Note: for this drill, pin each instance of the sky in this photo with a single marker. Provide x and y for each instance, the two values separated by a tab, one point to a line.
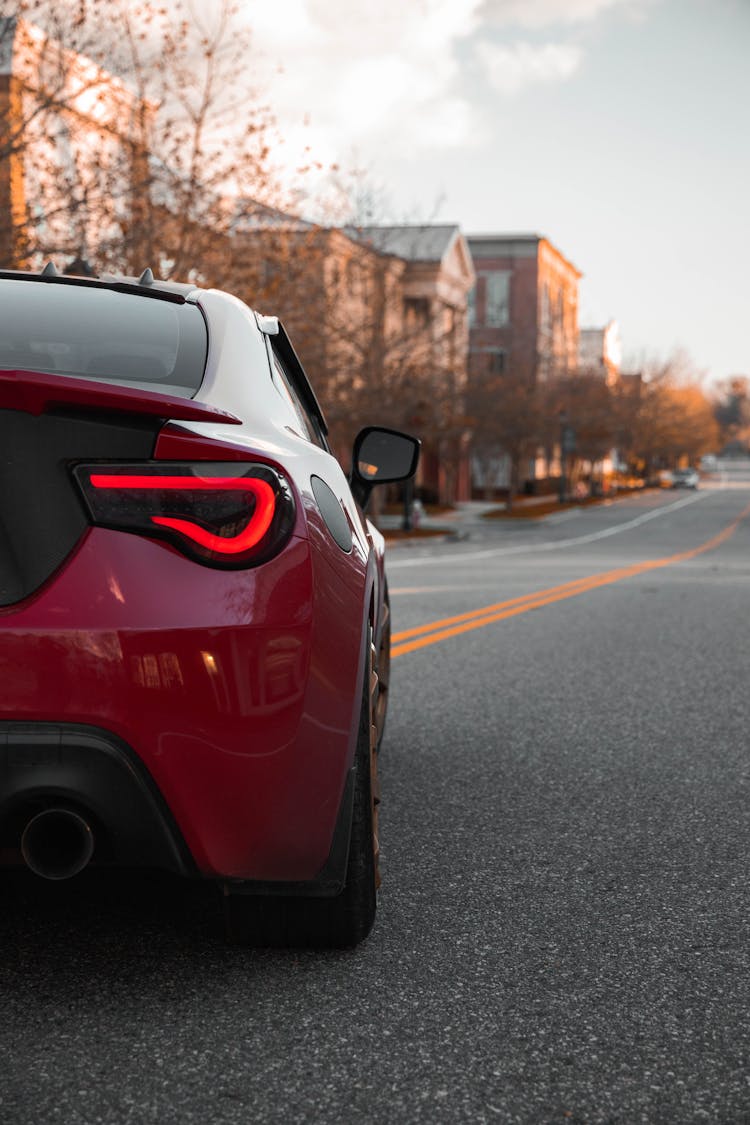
618	129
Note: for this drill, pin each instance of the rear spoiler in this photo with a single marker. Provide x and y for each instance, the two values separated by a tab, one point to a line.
34	392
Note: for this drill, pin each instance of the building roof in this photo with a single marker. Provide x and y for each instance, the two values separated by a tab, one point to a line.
521	236
522	245
414	242
252	215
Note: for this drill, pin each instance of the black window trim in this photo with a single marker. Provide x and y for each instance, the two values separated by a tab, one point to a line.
281	344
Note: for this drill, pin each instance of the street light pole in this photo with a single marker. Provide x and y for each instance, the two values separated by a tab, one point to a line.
563	453
407	521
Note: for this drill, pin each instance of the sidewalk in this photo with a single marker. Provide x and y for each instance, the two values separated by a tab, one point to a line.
455	523
459	521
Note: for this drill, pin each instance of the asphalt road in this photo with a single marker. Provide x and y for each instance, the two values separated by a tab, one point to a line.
563	924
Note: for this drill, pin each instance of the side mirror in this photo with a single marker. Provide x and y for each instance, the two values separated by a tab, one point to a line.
380	456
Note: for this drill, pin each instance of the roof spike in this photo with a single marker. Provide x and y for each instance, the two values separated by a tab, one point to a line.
147	277
49	270
269	325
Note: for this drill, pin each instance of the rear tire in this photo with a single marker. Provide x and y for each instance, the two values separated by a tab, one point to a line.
287	922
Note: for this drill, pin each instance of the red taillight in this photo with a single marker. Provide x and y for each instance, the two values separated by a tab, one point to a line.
226	515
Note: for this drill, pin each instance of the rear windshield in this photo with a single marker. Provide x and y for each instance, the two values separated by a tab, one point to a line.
93	333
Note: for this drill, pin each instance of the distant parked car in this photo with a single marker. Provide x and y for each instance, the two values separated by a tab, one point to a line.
685	478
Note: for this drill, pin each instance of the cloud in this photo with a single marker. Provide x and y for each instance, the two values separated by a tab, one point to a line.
358	72
396	79
509	69
549	13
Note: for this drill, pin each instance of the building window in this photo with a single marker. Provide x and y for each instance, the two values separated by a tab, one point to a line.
490	361
471	306
416	312
497	299
497	359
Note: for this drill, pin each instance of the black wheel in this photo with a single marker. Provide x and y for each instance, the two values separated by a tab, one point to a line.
276	921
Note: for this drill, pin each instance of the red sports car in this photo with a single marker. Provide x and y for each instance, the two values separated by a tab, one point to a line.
194	629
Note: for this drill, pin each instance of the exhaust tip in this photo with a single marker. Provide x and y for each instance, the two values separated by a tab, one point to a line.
57	844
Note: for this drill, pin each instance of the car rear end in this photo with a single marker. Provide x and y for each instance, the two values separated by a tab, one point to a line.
157	610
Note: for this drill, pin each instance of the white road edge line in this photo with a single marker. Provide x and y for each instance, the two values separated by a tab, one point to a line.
550	545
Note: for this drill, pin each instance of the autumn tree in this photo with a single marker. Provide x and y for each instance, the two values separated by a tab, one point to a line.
137	163
674	421
732	413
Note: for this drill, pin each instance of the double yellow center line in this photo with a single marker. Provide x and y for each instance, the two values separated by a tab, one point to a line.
412	639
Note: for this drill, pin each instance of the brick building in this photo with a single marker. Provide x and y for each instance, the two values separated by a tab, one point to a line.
524	325
524	309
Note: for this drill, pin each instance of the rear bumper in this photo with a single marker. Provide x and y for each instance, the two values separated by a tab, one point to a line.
90	771
234	738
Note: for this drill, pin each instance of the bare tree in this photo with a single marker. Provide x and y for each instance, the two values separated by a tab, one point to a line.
506	415
207	134
512	409
138	163
590	409
50	175
376	354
